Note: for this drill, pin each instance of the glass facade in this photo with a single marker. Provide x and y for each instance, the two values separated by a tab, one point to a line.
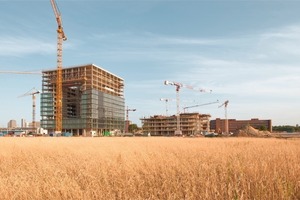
92	101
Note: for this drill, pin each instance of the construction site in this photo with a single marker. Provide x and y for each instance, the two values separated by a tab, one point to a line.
87	100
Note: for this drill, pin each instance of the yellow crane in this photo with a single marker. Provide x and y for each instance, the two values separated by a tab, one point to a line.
32	92
60	38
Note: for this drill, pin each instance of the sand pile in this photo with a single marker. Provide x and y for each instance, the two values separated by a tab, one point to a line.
249	131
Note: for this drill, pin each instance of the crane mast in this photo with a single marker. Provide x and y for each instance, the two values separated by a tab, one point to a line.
33	92
127	118
60	38
225	104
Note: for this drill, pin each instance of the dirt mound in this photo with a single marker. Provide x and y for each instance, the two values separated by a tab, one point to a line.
249	131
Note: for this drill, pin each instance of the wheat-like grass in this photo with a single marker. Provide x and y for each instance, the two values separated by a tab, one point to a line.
149	168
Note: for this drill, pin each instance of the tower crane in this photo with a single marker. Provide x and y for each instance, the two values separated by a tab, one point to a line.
166	100
127	118
32	92
225	104
178	87
187	107
60	38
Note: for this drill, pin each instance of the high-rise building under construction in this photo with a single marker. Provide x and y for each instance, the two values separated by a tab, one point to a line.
92	103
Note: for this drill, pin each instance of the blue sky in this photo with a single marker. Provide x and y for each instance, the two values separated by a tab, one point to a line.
247	52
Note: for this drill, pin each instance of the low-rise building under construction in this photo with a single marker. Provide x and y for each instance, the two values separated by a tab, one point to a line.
190	124
92	103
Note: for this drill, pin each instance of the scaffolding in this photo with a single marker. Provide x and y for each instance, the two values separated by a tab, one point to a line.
92	103
190	124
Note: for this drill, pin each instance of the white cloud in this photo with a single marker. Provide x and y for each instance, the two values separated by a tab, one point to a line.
281	44
287	32
150	39
19	46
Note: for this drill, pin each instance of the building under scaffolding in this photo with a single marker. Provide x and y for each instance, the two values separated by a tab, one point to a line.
93	101
190	124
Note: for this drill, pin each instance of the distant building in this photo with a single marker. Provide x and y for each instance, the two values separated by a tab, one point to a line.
190	124
234	125
12	124
37	125
23	123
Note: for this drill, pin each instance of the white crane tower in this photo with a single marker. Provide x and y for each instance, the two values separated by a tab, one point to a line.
178	87
225	104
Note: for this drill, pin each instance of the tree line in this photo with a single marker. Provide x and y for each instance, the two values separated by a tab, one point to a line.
286	128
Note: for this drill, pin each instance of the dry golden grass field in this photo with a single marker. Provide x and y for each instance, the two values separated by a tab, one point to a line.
149	168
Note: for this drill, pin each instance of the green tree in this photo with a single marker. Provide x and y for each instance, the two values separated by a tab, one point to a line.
132	128
286	128
262	128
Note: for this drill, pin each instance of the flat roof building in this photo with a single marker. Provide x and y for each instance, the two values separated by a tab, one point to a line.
234	125
12	124
92	103
190	124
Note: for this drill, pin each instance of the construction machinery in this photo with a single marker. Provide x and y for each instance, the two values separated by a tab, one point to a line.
33	92
127	117
166	100
187	107
178	87
225	104
60	38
